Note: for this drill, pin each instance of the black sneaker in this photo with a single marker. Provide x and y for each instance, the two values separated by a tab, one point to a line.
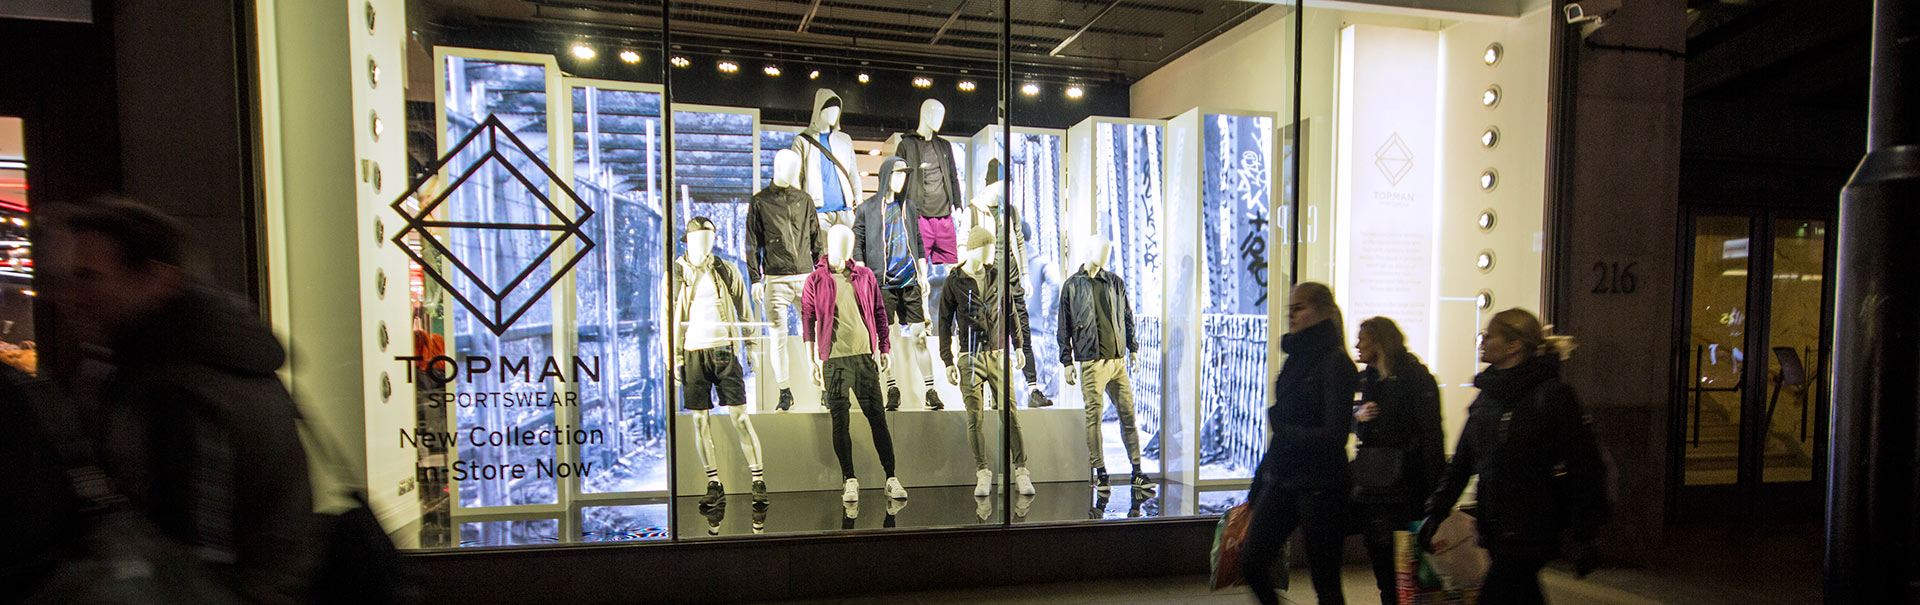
1141	482
760	493
933	400
893	398
714	516
1038	400
1100	481
715	494
786	400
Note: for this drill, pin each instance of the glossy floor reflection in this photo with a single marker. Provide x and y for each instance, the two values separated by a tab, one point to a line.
941	507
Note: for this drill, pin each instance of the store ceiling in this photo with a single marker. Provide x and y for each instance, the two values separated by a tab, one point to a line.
1106	39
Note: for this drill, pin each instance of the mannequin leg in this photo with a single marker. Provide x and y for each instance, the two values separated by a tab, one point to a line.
782	291
970	383
1090	379
836	402
703	436
866	386
749	439
1120	388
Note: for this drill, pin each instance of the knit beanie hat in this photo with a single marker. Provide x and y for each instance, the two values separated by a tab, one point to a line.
979	237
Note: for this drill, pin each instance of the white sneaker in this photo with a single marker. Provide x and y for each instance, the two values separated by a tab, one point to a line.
983	484
852	492
1023	481
894	490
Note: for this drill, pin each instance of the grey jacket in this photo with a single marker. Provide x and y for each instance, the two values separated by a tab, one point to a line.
733	304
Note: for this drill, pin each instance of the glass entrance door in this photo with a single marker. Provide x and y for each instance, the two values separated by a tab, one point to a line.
1753	398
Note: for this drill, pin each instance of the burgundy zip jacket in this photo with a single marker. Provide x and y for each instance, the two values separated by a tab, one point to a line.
817	298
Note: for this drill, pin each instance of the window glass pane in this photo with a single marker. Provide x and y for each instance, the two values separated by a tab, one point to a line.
1794	374
17	343
1717	354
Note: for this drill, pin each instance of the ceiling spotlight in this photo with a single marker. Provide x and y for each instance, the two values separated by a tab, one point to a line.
875	151
771	70
1493	53
1030	89
1074	92
966	85
1490	138
864	79
1484	261
1489	180
678	61
922	82
583	51
729	66
1491	97
629	56
813	75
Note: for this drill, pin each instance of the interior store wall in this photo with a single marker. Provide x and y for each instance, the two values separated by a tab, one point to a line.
1247	68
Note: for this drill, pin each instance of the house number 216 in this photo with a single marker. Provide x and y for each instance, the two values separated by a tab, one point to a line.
1611	278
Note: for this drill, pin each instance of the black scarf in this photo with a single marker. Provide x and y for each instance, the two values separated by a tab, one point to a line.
1304	350
1517	383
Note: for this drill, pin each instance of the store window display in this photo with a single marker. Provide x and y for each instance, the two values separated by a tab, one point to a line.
935	183
827	162
972	305
1098	343
888	240
846	321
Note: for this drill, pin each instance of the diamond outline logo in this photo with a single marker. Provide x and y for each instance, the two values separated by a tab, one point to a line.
568	228
1393	159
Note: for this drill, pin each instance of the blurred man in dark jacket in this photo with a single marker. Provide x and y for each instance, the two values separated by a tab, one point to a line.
194	426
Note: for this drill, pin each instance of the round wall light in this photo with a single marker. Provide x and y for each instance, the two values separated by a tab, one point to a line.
1489	179
1490	98
1484	261
1490	138
1494	51
372	17
1487	220
375	126
1484	300
373	72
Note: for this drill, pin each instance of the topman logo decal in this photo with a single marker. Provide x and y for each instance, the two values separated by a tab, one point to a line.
493	309
1393	159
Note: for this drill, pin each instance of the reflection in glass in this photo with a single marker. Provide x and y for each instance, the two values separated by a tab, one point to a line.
1717	353
510	533
1794	335
623	523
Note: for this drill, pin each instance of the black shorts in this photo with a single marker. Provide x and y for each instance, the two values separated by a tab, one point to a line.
904	305
713	374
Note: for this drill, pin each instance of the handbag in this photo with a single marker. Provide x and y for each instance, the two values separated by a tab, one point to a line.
123	557
1377	473
1229	545
360	564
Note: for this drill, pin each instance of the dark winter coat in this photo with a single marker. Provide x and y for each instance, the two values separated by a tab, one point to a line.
913	150
1409	421
200	433
783	233
1311	413
970	306
1091	307
1539	466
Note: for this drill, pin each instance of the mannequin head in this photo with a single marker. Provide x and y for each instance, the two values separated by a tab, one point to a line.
699	238
933	115
786	168
839	245
980	248
897	181
1098	248
826	111
893	174
831	116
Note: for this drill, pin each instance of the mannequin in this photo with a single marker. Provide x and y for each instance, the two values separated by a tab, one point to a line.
934	183
887	241
983	211
972	298
784	239
1096	330
829	174
708	316
843	317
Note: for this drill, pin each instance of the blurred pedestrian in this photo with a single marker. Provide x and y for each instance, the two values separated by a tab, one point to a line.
1303	480
1540	469
195	427
1401	445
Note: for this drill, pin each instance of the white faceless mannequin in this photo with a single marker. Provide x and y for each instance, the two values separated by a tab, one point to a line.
933	115
786	168
1098	248
897	181
699	246
831	116
977	258
839	245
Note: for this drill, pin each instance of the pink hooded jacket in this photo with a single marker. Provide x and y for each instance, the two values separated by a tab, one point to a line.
817	298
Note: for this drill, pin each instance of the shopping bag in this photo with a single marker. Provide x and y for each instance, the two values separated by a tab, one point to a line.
1228	538
1451	576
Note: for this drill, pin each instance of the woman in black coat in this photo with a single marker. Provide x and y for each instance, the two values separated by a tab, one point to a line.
1401	444
1303	478
1532	446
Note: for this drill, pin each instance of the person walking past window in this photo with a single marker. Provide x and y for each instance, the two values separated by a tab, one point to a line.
1303	480
1533	448
1401	444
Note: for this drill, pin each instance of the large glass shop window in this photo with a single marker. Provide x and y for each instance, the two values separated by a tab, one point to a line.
673	285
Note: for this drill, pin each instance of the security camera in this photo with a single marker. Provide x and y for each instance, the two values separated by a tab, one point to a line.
1588	11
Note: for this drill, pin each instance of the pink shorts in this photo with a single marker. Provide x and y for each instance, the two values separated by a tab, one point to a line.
938	237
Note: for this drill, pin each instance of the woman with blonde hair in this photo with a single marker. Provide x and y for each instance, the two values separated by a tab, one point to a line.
1531	444
1401	445
1303	479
